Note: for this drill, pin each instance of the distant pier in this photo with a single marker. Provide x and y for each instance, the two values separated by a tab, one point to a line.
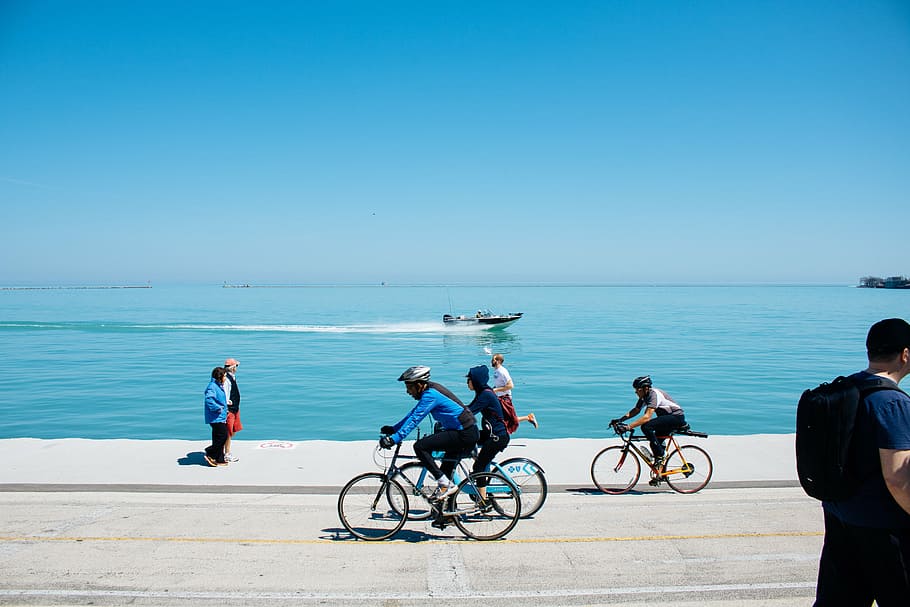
892	282
79	288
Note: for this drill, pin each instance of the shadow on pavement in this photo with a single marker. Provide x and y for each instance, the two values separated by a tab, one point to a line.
594	491
340	534
196	458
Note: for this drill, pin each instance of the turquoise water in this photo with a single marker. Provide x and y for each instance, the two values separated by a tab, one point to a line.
321	362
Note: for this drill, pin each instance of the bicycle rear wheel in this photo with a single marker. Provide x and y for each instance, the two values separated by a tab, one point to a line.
689	469
364	506
487	519
615	470
419	484
531	483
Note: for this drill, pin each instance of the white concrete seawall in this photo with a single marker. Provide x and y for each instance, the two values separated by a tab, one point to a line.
766	459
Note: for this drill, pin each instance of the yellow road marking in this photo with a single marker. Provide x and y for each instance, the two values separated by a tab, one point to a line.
550	540
658	538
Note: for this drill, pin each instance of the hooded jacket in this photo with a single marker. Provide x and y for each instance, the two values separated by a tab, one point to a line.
485	400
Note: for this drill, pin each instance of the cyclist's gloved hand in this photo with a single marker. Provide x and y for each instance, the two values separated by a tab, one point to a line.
622	428
613	422
387	430
386	442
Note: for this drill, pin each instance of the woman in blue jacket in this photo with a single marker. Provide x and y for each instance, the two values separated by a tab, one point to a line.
216	416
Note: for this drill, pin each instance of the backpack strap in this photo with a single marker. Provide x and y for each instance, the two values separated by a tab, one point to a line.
466	418
874	384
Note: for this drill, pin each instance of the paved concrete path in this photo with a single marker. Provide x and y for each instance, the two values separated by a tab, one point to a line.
147	523
735	546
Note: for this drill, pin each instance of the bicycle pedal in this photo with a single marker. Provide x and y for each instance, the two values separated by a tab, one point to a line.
483	506
654	482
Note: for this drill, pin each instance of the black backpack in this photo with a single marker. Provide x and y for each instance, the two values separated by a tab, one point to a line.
825	418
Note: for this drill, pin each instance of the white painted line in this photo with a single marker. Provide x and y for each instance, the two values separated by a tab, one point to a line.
234	597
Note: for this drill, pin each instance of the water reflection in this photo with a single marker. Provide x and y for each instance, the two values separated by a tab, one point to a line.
488	341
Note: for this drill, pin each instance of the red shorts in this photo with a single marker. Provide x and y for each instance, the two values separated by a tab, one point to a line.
233	423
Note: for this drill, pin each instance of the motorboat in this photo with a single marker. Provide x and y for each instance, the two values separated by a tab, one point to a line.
483	317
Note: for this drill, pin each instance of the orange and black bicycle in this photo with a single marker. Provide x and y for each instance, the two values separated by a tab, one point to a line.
687	469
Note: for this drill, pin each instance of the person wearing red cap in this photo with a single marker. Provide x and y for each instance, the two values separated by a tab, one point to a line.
866	552
233	408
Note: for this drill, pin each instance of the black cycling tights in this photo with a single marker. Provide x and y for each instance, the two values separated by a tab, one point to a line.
453	442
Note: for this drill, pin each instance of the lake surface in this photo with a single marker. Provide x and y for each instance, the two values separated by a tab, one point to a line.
322	362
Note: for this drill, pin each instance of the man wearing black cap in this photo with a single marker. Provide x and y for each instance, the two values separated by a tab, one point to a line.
866	554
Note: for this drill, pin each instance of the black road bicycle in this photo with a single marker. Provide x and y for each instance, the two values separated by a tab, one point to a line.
687	469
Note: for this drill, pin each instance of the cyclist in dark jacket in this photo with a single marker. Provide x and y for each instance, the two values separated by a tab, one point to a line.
494	437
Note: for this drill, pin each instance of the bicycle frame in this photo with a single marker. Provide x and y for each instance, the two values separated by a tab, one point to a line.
470	488
687	468
656	472
364	514
456	478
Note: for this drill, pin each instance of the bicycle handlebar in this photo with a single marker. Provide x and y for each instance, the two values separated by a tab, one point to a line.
614	425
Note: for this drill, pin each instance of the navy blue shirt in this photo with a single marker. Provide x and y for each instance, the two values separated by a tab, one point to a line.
883	422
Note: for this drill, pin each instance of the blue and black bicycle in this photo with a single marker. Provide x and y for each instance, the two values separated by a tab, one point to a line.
376	505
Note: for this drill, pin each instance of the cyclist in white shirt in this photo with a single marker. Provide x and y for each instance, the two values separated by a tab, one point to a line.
662	414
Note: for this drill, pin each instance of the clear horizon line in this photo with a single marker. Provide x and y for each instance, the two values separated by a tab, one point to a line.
517	284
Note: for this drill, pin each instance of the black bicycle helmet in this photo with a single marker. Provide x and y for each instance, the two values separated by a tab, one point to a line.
642	382
418	373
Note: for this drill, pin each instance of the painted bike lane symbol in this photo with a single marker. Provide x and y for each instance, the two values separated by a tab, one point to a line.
276	444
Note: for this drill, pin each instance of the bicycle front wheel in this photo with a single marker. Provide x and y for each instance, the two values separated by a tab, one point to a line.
419	484
688	469
615	470
531	483
485	519
365	506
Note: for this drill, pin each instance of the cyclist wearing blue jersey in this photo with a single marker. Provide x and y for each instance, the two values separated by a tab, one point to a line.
459	430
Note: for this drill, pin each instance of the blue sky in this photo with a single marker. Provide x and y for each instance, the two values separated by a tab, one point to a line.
447	142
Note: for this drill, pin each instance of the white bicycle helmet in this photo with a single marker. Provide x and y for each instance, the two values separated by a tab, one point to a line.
418	373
